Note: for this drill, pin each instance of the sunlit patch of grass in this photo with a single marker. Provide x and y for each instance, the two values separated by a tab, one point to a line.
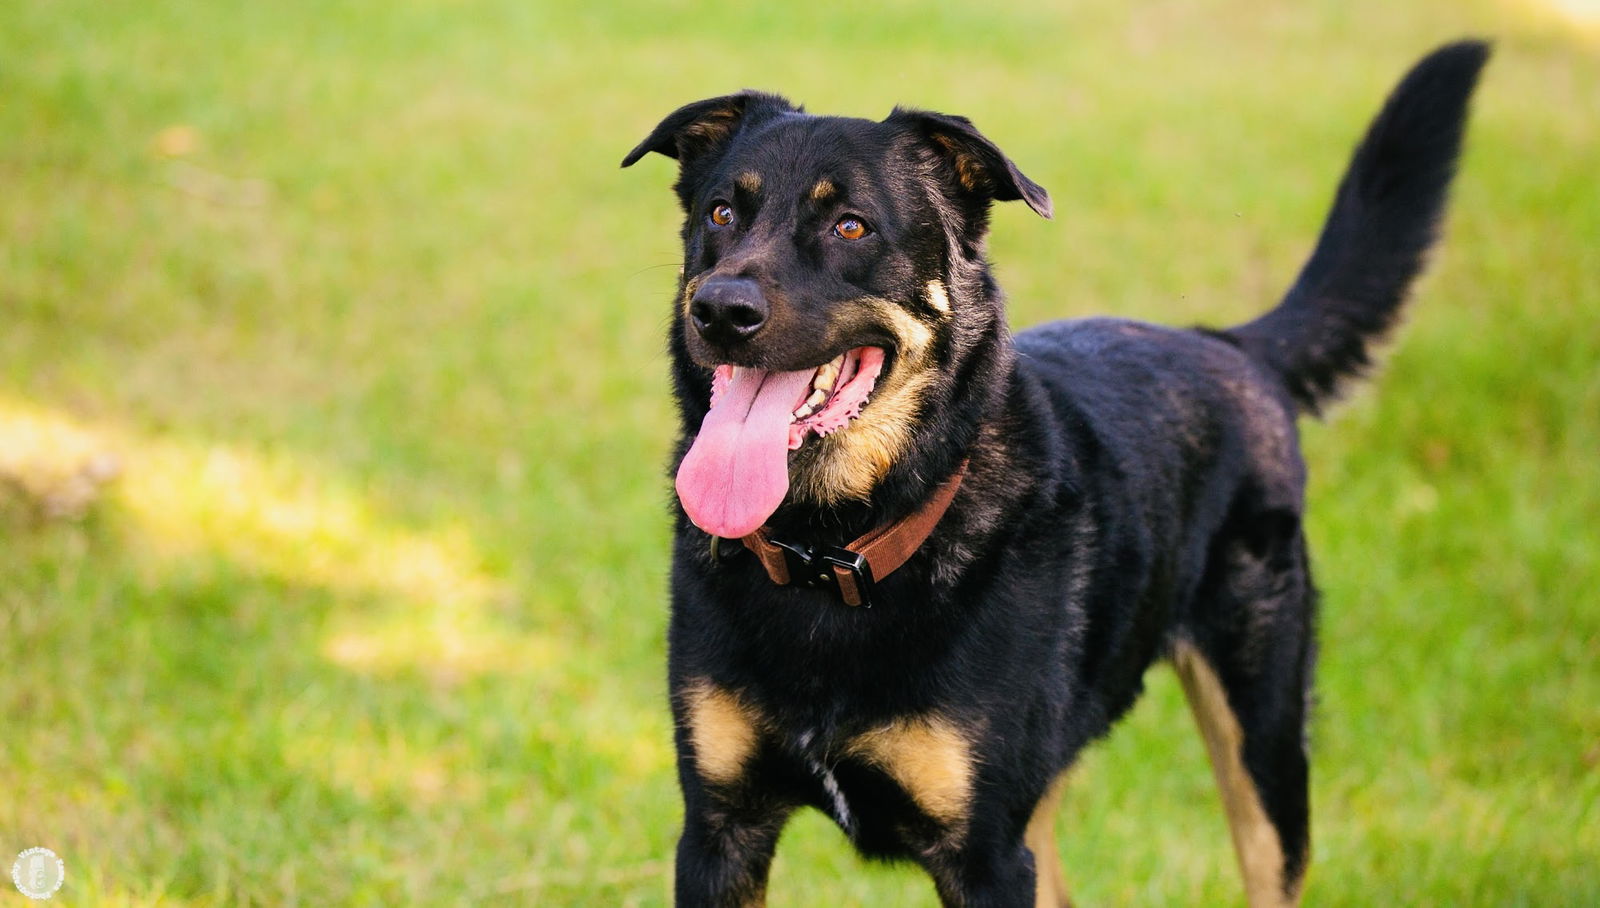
1584	15
50	467
443	643
271	515
374	766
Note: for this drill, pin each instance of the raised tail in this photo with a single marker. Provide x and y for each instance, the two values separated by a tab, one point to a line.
1385	217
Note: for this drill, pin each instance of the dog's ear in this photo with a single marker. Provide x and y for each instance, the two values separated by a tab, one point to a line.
704	126
977	167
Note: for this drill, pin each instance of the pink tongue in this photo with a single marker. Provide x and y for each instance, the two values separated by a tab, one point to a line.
737	472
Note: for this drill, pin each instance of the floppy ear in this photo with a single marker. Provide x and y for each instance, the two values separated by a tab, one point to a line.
694	129
977	164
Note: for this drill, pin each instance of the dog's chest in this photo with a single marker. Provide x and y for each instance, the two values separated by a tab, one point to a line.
891	784
900	785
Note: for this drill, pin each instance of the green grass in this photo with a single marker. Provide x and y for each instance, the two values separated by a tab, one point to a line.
356	297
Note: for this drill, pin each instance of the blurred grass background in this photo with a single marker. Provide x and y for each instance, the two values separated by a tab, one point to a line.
333	423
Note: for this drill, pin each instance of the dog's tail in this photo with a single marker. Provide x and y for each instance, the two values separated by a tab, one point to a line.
1385	216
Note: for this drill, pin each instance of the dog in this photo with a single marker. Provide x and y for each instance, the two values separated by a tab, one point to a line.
919	563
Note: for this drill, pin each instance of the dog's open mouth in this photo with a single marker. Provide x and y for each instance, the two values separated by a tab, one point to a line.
833	396
737	471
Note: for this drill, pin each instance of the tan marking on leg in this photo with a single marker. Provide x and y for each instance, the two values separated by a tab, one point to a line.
723	729
749	181
1050	887
938	298
1255	840
823	189
928	757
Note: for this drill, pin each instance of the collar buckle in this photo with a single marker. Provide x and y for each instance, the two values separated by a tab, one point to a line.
826	567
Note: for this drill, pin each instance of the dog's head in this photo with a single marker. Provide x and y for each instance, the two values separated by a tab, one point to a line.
833	282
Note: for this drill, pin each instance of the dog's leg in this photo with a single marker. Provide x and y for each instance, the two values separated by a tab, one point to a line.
1246	669
985	874
1245	663
724	857
1256	839
1050	887
730	827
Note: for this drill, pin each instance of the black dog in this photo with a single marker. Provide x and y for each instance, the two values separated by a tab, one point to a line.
1035	522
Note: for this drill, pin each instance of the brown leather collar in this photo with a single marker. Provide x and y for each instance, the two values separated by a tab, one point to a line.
853	569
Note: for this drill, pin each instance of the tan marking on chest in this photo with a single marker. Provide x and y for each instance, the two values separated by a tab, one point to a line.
929	757
723	729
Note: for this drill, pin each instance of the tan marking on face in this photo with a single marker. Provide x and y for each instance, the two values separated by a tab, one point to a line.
749	181
689	287
913	334
1049	886
823	189
851	461
927	756
938	298
1255	840
723	729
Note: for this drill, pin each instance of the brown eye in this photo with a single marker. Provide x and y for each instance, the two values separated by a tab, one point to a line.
721	214
850	228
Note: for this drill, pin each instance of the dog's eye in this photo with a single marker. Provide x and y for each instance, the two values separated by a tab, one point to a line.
721	214
850	228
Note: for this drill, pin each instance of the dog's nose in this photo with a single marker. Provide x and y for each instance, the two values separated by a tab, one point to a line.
725	310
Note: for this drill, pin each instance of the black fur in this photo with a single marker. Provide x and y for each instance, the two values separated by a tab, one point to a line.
1129	486
1384	219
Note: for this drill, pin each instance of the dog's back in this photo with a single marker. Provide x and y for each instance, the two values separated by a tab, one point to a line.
1200	423
1197	428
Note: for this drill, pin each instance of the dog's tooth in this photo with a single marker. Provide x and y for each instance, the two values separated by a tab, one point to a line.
817	398
826	376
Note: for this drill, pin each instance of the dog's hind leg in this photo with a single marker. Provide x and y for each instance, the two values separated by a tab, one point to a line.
1050	887
1245	668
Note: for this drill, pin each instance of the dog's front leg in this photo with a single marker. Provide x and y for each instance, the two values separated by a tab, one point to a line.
991	873
731	821
724	854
